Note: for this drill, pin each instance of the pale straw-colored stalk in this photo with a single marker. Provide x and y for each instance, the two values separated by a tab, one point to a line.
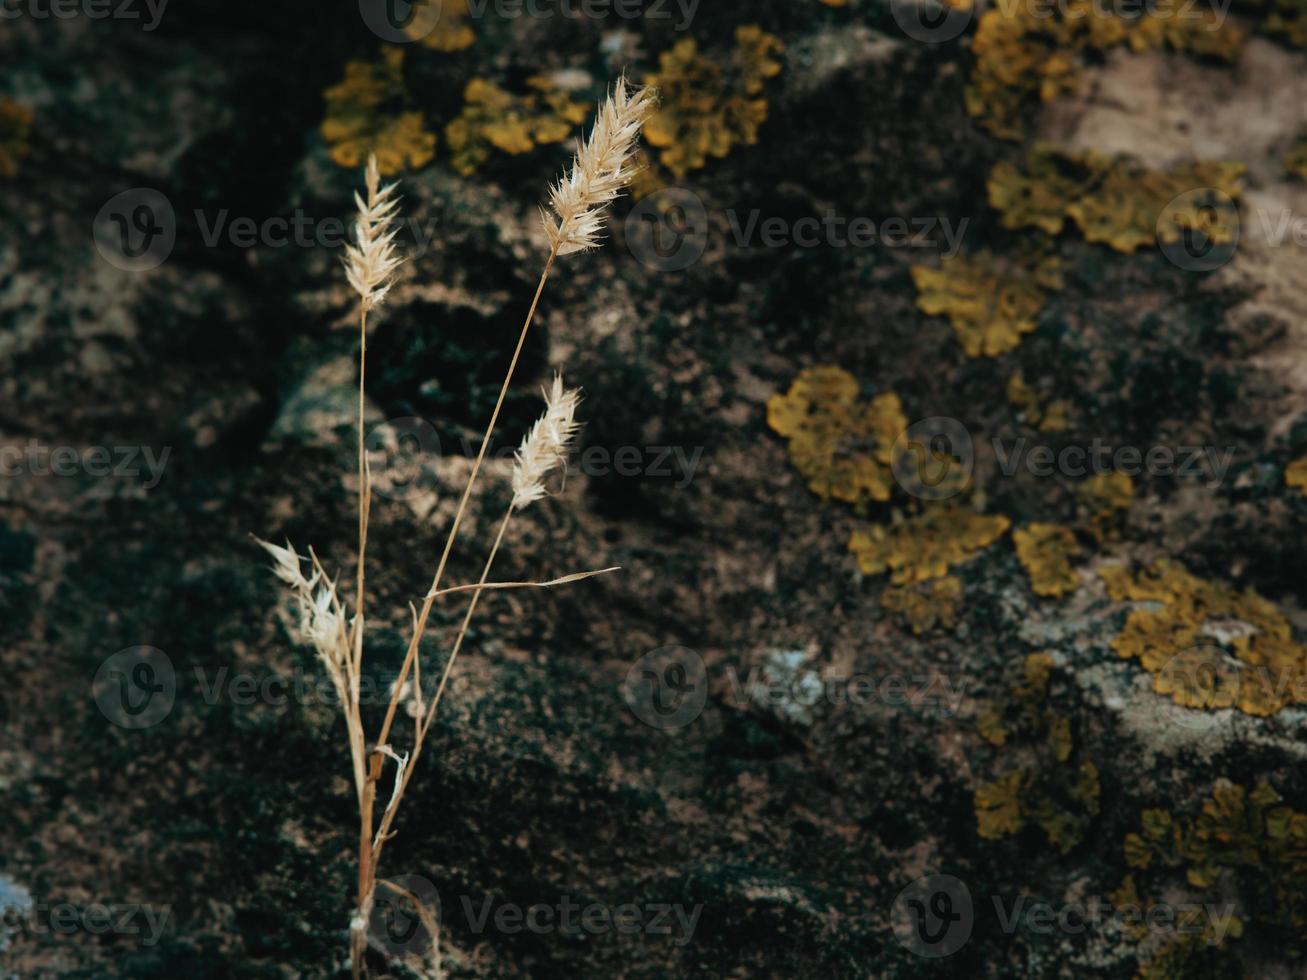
599	172
543	450
579	201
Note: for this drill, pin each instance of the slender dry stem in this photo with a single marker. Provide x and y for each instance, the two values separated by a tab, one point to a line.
601	169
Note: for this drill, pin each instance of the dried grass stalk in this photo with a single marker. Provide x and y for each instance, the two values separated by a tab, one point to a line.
602	168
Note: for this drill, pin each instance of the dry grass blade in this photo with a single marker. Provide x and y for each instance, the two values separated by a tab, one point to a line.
496	586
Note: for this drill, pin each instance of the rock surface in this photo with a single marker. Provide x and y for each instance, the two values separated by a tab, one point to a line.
775	827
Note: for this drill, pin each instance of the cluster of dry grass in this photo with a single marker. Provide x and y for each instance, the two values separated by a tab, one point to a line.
574	222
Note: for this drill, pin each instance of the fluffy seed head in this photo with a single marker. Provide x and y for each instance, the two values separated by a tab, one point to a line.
601	170
546	445
286	564
321	618
370	263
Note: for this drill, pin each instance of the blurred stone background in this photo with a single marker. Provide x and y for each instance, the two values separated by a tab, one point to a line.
900	760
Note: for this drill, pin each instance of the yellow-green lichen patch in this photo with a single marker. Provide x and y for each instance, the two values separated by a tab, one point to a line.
1045	552
707	107
990	302
1026	52
1295	161
1046	414
926	606
366	115
495	119
1023	708
1295	475
998	806
15	129
926	545
1207	645
843	446
1286	20
450	30
1239	838
1105	499
1116	202
1049	790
